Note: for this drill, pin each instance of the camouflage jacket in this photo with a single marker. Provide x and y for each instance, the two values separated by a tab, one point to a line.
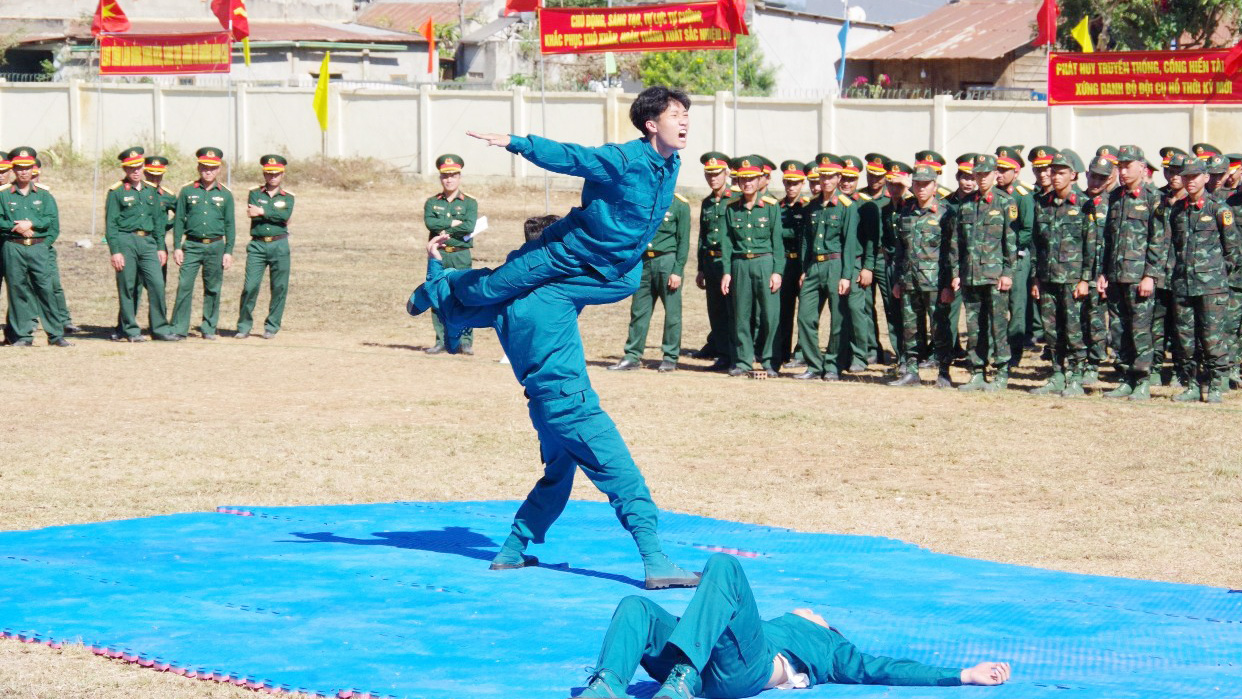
1234	202
712	232
923	253
985	242
1064	238
831	228
1205	246
1135	242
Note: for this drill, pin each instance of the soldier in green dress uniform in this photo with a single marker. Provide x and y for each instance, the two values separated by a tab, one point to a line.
454	212
1165	360
269	207
752	280
1009	164
965	187
204	233
664	267
28	219
710	270
793	210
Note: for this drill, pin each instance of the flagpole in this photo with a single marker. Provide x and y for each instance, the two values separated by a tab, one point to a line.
1048	93
98	137
736	89
231	105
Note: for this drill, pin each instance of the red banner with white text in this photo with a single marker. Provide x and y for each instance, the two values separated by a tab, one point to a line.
165	54
1136	77
695	25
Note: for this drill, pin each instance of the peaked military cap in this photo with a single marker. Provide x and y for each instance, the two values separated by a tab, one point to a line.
764	164
1193	166
747	166
274	163
1216	164
829	164
1235	160
811	169
38	166
1072	160
1167	153
793	170
1130	153
924	173
23	157
5	165
966	162
1178	161
211	157
131	157
983	163
1109	152
896	169
877	163
1101	165
851	166
449	163
714	161
1009	157
1041	156
930	158
1204	150
155	164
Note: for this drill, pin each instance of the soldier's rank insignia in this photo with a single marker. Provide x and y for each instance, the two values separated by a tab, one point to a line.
1226	217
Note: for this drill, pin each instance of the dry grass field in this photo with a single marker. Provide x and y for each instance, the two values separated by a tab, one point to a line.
344	407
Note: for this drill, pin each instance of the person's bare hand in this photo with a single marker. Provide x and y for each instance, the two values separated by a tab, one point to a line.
865	277
989	674
801	280
674	282
843	287
118	262
493	139
946	296
24	228
254	211
1035	291
1005	284
1080	290
700	280
774	283
162	255
227	261
897	289
725	282
434	245
179	256
1147	287
957	283
1102	285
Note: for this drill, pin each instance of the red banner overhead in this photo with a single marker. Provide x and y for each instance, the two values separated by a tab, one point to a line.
162	54
1129	77
636	28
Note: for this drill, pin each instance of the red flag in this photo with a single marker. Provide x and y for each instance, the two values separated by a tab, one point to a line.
521	6
428	30
109	18
1233	59
730	16
232	15
1046	24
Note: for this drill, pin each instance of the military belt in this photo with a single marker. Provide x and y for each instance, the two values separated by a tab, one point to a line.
206	241
447	248
713	253
653	253
753	255
270	238
791	255
828	256
141	233
25	241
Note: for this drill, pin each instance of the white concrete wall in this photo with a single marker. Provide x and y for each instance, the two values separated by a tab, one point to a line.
804	50
408	128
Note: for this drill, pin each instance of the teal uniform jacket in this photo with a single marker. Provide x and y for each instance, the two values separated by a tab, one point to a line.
628	188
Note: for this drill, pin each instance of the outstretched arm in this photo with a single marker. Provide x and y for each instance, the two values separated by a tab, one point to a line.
989	674
600	164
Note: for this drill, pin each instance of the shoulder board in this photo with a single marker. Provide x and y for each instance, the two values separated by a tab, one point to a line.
220	186
1021	189
735	188
151	184
165	190
863	196
844	201
40	185
466	196
679	196
806	199
943	190
288	193
116	185
188	184
769	199
257	186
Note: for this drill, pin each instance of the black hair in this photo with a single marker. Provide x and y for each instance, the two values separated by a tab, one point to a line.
651	103
535	224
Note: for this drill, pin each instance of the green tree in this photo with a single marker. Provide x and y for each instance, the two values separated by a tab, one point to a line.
1136	25
706	72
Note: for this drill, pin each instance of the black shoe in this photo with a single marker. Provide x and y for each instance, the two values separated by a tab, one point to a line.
136	338
437	348
942	381
719	365
667	366
27	342
242	336
773	374
808	374
738	371
268	334
794	364
831	376
907	379
857	367
209	336
626	364
171	337
71	328
705	353
62	342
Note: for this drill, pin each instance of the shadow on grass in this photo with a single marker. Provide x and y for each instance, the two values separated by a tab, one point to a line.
386	345
457	541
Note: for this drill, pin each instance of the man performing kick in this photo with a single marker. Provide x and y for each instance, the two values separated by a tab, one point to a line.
590	257
720	648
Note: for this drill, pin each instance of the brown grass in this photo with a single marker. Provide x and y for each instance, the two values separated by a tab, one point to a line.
342	408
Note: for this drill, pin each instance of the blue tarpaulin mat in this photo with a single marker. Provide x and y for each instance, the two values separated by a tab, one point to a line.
396	600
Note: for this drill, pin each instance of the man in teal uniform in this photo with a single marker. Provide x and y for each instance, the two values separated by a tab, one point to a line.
793	211
664	265
721	648
454	212
719	344
752	278
269	207
203	236
28	219
134	220
590	257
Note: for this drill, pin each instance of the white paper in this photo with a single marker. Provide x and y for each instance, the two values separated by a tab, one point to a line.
480	225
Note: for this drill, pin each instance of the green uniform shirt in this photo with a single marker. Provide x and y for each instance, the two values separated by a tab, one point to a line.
985	243
1024	225
37	205
889	216
673	235
923	252
439	214
1064	238
205	213
793	215
831	228
754	231
1205	246
277	208
128	209
870	228
1135	242
712	227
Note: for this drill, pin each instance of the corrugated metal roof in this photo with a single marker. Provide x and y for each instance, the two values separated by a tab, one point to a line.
261	30
409	16
983	29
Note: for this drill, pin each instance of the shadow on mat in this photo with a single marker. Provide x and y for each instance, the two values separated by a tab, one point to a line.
459	541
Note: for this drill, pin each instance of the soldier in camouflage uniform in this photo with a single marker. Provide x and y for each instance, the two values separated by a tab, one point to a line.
986	248
1135	245
923	268
1095	322
752	279
1217	169
1064	241
1206	251
793	210
1008	164
712	233
1233	314
1163	328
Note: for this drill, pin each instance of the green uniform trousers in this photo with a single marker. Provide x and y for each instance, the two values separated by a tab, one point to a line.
209	258
987	327
654	284
1165	350
29	271
1063	316
142	270
882	285
260	256
820	289
1233	327
1095	327
756	310
1019	300
1133	315
719	313
58	289
1202	348
786	349
917	303
461	259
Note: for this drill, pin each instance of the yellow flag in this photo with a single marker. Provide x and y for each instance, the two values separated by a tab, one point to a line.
246	50
1082	35
321	93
